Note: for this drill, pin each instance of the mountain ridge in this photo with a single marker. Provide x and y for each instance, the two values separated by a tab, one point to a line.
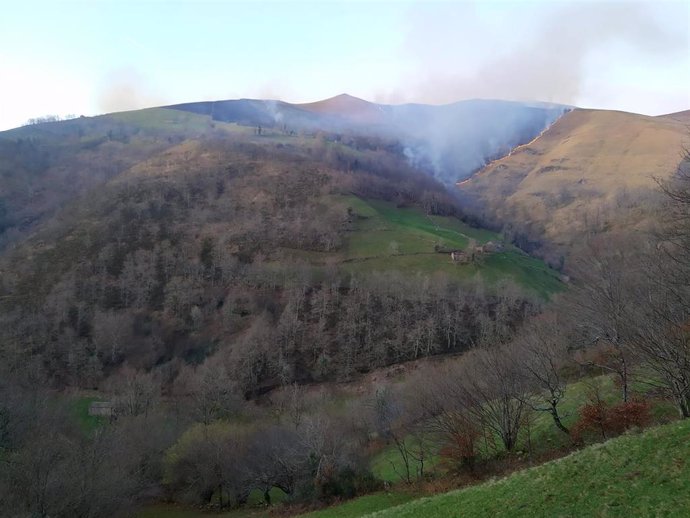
592	170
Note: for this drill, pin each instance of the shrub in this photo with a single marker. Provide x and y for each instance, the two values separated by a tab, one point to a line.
601	418
460	452
628	415
346	483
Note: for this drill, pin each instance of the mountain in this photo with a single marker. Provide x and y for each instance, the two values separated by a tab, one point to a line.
162	237
591	171
44	166
203	271
350	108
683	117
448	141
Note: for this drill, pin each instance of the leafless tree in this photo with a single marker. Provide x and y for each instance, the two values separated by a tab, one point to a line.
541	350
211	460
279	458
213	394
135	392
111	330
660	314
450	424
661	336
49	467
603	301
491	388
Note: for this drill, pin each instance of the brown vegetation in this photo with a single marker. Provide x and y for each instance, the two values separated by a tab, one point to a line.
171	291
591	172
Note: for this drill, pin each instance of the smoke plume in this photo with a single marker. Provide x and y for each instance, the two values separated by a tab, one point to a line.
550	57
127	89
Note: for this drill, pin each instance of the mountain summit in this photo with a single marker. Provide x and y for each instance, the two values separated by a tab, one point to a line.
349	107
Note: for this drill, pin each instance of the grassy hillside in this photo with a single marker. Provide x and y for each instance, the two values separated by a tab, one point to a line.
363	505
386	237
633	475
349	107
542	436
592	170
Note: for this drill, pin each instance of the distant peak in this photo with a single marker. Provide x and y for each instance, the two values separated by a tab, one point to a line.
346	97
345	105
341	101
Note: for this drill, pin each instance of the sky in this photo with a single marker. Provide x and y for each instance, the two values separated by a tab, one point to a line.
91	57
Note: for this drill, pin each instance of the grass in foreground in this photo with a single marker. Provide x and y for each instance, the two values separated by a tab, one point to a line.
254	509
633	475
176	511
362	505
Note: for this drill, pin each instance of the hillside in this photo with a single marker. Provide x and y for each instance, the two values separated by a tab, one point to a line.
210	240
591	171
214	286
350	108
641	475
45	166
449	141
683	117
385	237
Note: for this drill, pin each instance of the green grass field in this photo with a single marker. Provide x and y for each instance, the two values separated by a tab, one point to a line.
356	507
633	475
79	407
255	508
389	238
169	120
363	505
178	511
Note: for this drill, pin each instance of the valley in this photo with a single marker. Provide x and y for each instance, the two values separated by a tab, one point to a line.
286	306
344	259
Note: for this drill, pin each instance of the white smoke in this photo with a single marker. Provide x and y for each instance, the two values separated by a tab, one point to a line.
547	52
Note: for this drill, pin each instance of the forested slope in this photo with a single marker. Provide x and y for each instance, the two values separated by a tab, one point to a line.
286	257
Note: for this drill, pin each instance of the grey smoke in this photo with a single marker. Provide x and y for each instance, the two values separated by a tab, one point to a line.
453	141
274	109
550	57
127	89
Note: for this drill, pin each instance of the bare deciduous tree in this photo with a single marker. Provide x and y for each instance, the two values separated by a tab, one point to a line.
541	350
489	383
136	392
603	302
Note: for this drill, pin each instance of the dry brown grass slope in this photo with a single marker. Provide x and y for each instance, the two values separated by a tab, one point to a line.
593	170
682	117
348	107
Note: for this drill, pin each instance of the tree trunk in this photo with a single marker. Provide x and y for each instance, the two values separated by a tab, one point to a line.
624	379
557	421
508	442
683	407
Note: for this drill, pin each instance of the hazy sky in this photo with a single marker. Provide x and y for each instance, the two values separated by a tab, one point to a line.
97	56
